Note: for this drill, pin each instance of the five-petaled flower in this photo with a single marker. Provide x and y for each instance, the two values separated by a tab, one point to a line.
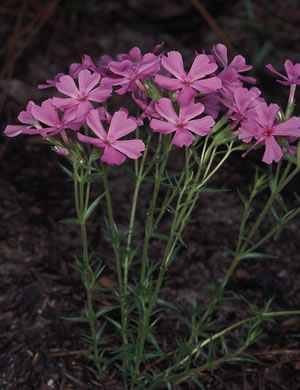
292	71
189	83
81	96
182	124
263	127
115	151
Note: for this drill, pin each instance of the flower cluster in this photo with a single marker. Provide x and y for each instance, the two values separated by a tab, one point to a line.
171	98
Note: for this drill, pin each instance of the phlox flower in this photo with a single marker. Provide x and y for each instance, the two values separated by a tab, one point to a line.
127	72
188	83
243	102
263	127
48	115
28	120
51	83
86	63
148	107
182	124
115	151
81	96
238	63
292	71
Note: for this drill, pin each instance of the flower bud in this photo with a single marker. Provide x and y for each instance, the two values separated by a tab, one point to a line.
152	89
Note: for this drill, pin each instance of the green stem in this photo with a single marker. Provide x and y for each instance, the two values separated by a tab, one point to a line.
82	198
116	248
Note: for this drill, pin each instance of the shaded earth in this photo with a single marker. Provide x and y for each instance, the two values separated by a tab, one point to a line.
39	350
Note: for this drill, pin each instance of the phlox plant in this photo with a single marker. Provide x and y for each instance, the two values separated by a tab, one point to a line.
203	113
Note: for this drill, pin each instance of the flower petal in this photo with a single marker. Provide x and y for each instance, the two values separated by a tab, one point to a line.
94	122
91	140
162	127
112	156
67	86
174	64
272	151
189	111
201	67
183	137
166	110
201	126
87	81
120	125
131	148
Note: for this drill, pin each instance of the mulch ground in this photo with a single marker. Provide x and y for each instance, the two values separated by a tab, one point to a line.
39	350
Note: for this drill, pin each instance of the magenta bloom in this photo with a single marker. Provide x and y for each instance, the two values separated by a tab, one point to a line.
181	124
86	63
292	71
127	72
55	125
243	102
115	151
263	128
51	83
238	63
28	120
81	97
189	82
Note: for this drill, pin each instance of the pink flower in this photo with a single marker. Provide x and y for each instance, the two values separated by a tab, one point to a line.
181	124
292	71
86	63
188	83
243	102
127	72
263	128
51	83
115	151
81	96
28	120
238	63
48	115
148	107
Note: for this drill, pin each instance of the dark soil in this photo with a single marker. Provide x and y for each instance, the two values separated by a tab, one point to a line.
39	350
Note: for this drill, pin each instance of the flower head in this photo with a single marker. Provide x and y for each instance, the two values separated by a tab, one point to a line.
132	68
115	151
292	71
182	124
28	120
188	83
81	96
263	127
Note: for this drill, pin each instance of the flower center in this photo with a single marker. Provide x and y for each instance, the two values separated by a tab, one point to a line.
267	132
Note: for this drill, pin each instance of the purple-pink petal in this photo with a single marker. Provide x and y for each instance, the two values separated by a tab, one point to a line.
67	86
47	116
289	128
272	152
100	94
174	64
167	82
91	140
94	122
87	81
120	125
112	156
201	126
201	67
183	137
131	148
190	111
209	85
165	109
162	126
